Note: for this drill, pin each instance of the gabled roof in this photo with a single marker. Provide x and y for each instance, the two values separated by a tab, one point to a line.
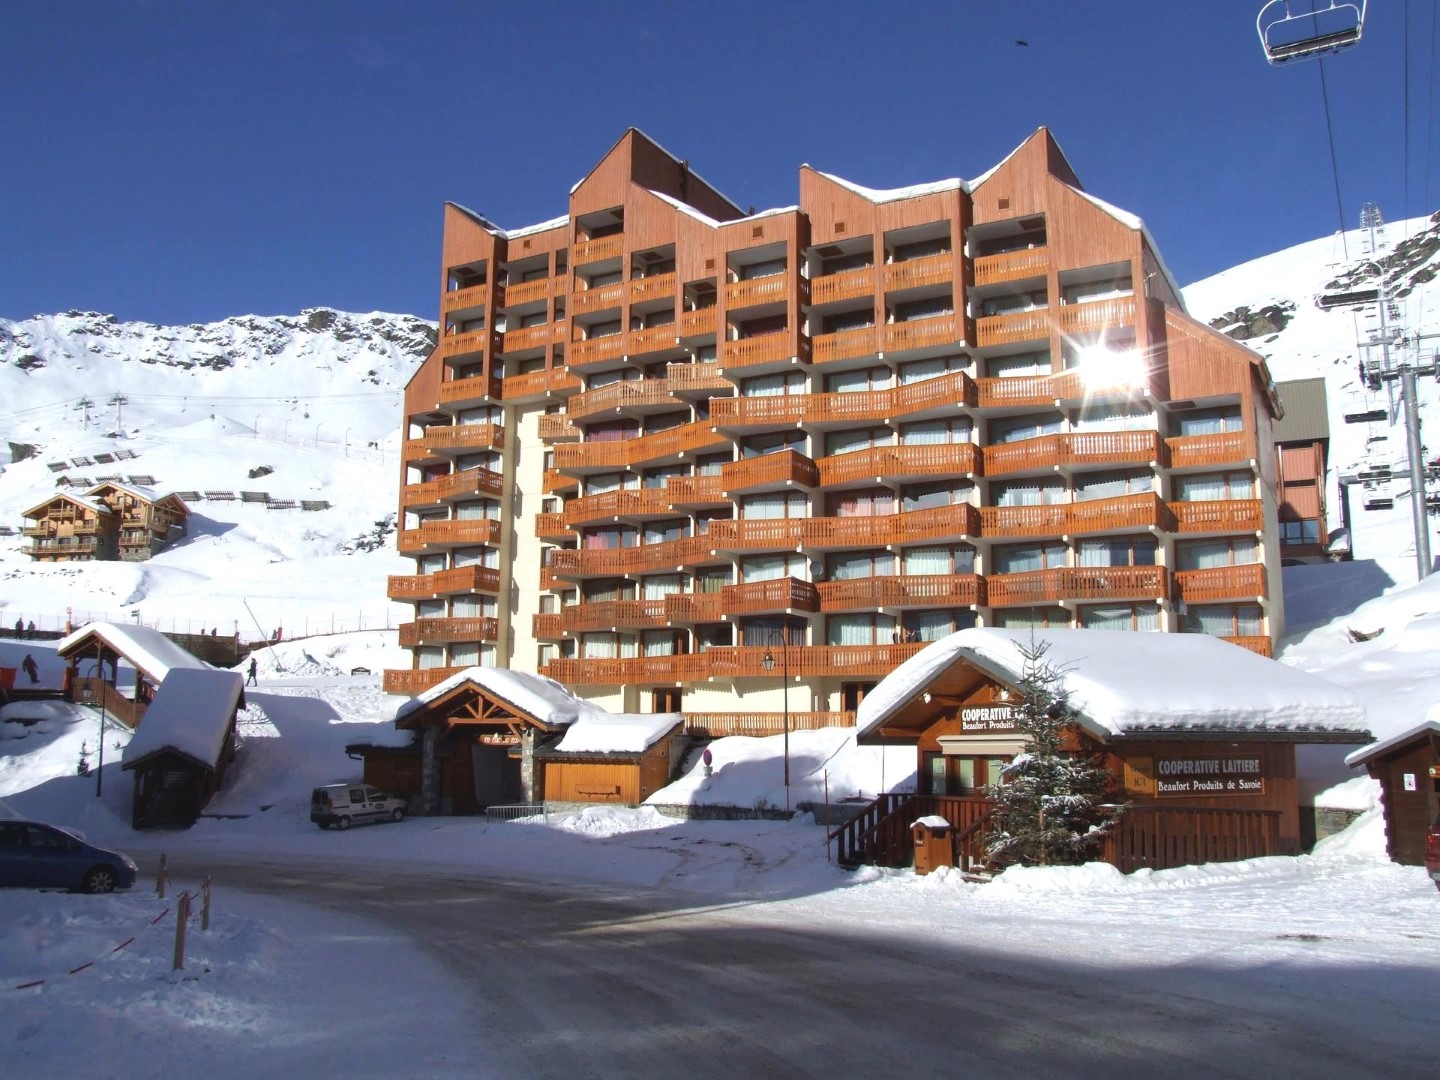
149	651
698	215
190	716
149	495
1384	746
543	700
78	500
508	234
673	157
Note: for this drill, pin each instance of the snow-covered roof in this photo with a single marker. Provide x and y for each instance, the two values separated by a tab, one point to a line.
885	195
1136	683
89	504
686	208
544	699
511	234
617	733
148	650
151	495
191	715
1375	749
678	161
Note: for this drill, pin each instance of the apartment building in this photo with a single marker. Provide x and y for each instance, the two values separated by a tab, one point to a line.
681	456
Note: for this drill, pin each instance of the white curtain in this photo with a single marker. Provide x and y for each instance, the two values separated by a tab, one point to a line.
1046	492
1004	367
1207	554
930	560
661	586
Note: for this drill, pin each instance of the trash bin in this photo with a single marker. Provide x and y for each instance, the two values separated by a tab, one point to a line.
934	843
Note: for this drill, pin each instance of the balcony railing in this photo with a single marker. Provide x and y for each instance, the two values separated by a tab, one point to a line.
789	534
1012	266
532	337
551	526
778	594
554	483
1222	448
787	468
458	299
629	503
698	323
732	662
455	486
911	590
759	725
656	287
845	344
757	291
613	615
1018	391
438	631
1220	583
623	453
415	680
463	391
914	273
1219	516
555	427
1077	583
1097	316
693	378
653	339
546	627
1139	511
1261	645
598	250
449	534
920	333
615	562
1073	449
594	671
460	344
527	292
595	350
1013	327
761	349
460	437
887	462
461	579
622	395
696	491
846	285
534	384
606	296
688	607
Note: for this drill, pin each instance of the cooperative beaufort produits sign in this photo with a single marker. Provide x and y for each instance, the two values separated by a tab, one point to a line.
1212	776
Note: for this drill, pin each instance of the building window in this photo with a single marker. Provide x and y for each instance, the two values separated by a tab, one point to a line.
1118	551
1300	532
1120	617
1224	620
1215	487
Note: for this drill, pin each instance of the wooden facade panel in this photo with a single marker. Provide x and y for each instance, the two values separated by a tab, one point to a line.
465	241
1300	463
607	184
1408	813
649	220
829	204
592	781
1301	500
1017	187
653	168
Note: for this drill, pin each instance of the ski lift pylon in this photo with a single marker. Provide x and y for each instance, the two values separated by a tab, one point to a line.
1299	29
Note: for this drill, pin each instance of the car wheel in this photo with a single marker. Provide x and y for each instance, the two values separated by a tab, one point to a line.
342	822
398	814
101	879
323	824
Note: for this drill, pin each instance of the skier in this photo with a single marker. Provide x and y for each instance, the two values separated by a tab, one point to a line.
31	668
251	680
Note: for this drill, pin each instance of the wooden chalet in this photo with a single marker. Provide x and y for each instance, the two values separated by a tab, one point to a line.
147	520
93	674
1205	767
180	753
71	528
1408	768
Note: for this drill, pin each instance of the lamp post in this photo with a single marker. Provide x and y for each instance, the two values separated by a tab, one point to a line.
98	674
768	662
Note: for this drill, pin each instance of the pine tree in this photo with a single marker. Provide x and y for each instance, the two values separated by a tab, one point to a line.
1050	806
82	768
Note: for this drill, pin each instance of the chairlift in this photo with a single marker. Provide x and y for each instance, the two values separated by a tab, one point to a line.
1372	473
1347	298
1377	500
1299	29
1366	416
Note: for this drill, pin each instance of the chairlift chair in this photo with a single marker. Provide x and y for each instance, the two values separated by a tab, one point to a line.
1366	416
1377	498
1299	29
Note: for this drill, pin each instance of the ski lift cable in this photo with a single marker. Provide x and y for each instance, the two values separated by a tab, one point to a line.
1334	160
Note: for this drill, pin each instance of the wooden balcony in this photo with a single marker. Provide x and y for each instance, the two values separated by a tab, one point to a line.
785	469
685	667
551	526
556	483
1084	584
1261	645
583	301
1014	327
672	555
441	534
458	392
1203	451
461	579
546	627
882	463
1019	391
64	546
1096	316
699	323
762	349
633	503
921	333
690	607
657	287
808	661
527	292
740	412
1075	449
598	456
846	285
910	590
760	724
1012	266
532	337
839	533
460	485
631	394
1221	583
459	437
459	299
934	269
598	250
1124	513
757	291
439	631
613	615
537	384
462	344
595	350
763	597
415	680
694	492
557	427
696	378
846	345
653	339
1219	516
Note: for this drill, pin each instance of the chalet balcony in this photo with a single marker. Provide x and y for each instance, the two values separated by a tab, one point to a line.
769	472
761	724
536	385
700	378
457	393
764	597
1125	513
464	299
808	661
1075	450
527	292
841	533
696	492
734	413
415	680
683	667
551	526
557	427
613	615
631	503
937	269
880	464
583	301
1081	584
1260	645
761	349
439	631
902	591
460	485
922	333
671	555
1012	328
66	546
1221	583
557	483
601	350
36	530
456	438
580	458
1219	516
524	338
692	607
1207	451
653	339
584	252
756	292
846	344
1017	392
846	285
702	322
474	341
656	287
461	579
1012	266
438	535
646	395
546	627
1096	316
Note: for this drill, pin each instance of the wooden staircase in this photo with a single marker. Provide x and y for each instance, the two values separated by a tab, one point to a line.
880	834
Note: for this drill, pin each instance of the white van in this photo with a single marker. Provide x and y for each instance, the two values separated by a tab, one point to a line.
342	805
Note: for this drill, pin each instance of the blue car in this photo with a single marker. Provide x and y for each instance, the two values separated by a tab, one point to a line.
38	856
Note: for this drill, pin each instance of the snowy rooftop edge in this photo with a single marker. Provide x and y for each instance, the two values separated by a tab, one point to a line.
190	714
149	650
1365	753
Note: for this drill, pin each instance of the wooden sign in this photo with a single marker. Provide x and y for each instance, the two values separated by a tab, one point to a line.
1140	775
1213	777
493	739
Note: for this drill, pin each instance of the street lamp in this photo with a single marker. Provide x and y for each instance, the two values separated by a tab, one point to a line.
98	675
768	663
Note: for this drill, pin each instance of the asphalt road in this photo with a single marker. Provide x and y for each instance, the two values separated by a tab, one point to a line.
574	981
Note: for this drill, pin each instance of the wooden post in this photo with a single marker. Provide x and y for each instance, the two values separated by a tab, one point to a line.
182	916
826	775
160	878
205	903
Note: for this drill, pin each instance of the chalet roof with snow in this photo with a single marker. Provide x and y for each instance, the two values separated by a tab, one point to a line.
191	716
1123	684
149	495
1429	728
148	651
92	505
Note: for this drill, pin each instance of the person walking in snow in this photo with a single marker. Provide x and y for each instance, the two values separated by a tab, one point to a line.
30	629
251	680
31	668
19	628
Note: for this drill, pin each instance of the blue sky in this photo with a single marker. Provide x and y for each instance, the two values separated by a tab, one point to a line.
186	161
